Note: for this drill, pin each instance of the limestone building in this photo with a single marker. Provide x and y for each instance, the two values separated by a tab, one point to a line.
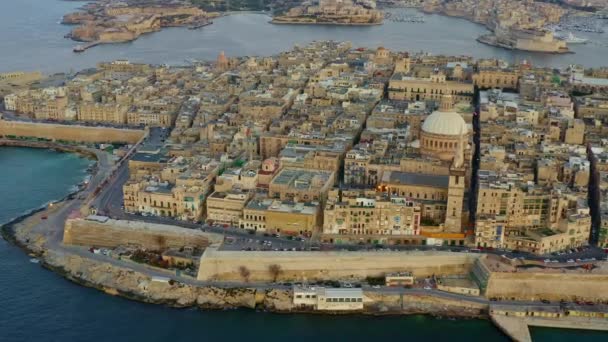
407	86
281	217
371	217
226	207
301	185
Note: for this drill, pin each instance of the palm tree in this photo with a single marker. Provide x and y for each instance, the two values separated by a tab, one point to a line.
275	270
245	273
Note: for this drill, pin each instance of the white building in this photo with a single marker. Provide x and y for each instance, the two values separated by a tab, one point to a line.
10	102
304	296
320	298
339	299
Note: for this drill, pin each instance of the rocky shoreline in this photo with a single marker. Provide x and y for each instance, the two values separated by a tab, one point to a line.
280	22
130	284
48	145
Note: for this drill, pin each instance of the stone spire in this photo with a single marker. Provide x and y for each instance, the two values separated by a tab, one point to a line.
222	61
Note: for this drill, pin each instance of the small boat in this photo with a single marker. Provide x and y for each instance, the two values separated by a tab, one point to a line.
572	39
34	260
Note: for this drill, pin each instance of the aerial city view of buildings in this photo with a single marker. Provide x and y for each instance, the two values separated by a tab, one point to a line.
332	173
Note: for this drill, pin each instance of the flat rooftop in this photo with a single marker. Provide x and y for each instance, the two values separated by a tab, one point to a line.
408	178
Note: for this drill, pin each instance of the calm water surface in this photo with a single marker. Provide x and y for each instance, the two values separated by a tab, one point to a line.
32	39
38	305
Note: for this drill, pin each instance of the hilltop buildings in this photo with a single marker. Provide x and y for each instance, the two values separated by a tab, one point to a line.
337	12
359	146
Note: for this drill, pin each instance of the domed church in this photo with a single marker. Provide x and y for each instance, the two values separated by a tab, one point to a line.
442	130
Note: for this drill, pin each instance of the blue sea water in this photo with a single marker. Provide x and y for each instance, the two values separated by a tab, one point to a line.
32	39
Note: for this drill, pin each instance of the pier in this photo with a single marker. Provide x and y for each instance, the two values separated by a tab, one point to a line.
515	320
83	48
199	25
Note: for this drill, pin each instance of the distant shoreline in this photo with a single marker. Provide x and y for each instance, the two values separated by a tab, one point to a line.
273	21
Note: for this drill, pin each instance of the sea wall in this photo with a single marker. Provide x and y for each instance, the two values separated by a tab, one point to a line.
69	132
541	46
114	233
535	286
226	265
48	145
131	284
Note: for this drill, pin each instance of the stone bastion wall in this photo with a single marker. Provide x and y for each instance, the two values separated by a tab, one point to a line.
114	233
300	266
70	132
556	286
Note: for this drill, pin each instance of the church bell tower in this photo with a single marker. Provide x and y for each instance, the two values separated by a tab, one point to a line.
456	188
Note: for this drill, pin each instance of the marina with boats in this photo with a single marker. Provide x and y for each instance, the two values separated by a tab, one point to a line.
403	17
590	24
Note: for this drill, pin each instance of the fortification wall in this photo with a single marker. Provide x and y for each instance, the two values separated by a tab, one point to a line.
69	132
115	233
535	286
225	265
537	45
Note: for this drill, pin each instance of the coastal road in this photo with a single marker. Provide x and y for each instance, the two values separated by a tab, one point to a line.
52	227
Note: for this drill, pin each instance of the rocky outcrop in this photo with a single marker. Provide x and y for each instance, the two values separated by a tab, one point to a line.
213	297
422	304
77	18
278	300
102	24
134	285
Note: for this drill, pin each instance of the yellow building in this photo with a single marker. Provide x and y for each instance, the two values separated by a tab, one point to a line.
301	185
226	207
572	232
155	119
399	279
281	217
163	199
407	87
496	78
102	112
367	216
489	231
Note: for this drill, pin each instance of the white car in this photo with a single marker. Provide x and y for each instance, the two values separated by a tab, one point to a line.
428	288
570	261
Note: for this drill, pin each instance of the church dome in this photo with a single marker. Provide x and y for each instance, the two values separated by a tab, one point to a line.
444	123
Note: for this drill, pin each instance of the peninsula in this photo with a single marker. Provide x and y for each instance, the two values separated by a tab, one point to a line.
331	179
332	12
111	21
518	25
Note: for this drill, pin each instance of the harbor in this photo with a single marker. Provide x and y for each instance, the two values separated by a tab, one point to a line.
580	24
404	17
